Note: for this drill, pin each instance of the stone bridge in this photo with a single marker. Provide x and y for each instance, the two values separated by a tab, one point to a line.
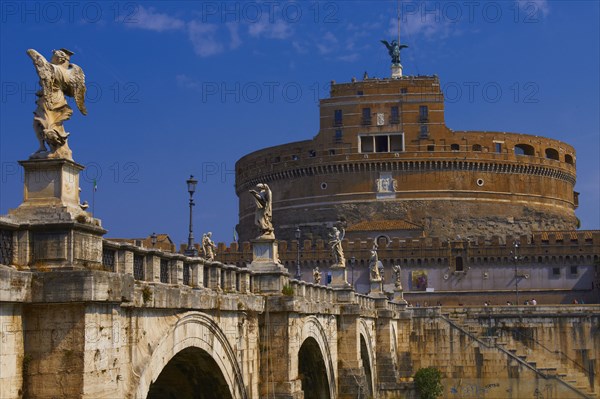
195	329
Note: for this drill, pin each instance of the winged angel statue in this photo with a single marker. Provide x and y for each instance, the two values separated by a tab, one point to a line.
394	50
58	78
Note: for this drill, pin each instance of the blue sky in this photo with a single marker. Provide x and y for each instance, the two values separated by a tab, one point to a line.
180	88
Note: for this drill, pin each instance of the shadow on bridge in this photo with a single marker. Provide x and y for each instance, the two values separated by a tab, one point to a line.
312	370
191	374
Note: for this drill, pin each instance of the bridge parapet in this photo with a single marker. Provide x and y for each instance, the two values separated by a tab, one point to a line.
312	292
156	266
366	302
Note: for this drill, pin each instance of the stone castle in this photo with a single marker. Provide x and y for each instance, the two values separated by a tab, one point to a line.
384	152
482	214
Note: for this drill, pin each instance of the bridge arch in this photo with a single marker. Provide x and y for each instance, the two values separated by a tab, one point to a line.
315	338
366	354
195	336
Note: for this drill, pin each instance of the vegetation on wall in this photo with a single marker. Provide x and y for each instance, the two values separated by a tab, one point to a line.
428	382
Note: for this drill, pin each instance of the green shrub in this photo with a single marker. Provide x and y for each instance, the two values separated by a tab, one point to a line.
146	294
428	382
287	290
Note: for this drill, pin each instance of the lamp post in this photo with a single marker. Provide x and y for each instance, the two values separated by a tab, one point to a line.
515	255
191	185
153	239
352	262
298	234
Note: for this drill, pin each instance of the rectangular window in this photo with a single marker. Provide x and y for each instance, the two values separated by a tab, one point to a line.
556	271
395	116
312	153
396	143
381	144
337	117
366	144
424	132
366	116
331	152
403	90
338	135
498	147
423	113
574	270
431	147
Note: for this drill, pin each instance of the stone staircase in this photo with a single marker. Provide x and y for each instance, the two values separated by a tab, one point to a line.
548	363
553	364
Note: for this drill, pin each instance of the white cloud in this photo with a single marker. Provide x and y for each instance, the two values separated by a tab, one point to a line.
187	82
203	38
272	30
349	57
300	47
535	8
149	19
234	33
210	39
327	43
420	25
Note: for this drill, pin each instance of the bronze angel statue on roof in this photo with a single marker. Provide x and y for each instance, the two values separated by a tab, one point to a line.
394	50
58	78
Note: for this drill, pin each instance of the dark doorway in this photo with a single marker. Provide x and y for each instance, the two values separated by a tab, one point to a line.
313	373
191	374
460	267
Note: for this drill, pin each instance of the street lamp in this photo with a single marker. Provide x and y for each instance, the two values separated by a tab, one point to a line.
153	239
298	234
352	262
515	255
191	185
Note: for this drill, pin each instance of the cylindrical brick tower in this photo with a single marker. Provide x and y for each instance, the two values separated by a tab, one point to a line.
384	152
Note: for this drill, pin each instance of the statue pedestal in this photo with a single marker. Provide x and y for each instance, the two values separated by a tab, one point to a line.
270	275
396	71
339	278
399	297
376	290
50	184
53	231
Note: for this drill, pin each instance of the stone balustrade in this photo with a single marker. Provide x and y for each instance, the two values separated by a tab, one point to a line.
156	266
312	292
365	302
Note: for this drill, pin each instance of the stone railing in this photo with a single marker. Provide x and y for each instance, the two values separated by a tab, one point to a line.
156	266
366	302
312	292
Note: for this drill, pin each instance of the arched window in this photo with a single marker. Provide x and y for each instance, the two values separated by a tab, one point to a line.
476	147
383	241
524	149
551	153
569	159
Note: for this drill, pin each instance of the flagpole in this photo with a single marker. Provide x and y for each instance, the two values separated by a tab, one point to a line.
94	199
398	15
